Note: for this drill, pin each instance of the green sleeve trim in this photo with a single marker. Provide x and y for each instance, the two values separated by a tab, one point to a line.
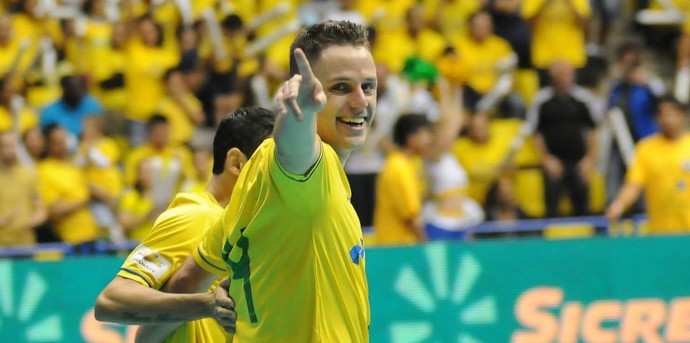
297	177
137	274
207	262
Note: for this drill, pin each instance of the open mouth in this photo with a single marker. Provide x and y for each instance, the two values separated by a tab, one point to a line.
352	122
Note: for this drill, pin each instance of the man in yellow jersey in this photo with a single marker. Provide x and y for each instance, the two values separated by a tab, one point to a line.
292	243
132	297
661	167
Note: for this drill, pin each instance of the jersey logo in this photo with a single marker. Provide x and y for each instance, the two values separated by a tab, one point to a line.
357	253
151	261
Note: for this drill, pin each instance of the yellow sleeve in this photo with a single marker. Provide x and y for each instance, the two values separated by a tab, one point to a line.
209	254
131	165
171	240
530	8
637	173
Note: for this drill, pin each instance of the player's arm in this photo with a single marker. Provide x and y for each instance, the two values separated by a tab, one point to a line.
299	100
126	301
626	197
192	278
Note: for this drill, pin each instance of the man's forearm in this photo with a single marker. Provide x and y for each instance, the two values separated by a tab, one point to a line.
127	302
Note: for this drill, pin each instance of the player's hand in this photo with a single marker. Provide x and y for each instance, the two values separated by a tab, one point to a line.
224	307
303	93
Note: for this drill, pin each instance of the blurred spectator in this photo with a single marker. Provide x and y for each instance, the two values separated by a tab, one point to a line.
448	212
660	169
635	94
487	58
182	109
14	115
385	15
35	26
224	59
21	207
170	164
509	24
401	186
564	118
345	10
108	75
501	204
203	164
364	165
147	61
558	32
137	210
450	17
65	191
32	149
392	48
72	108
480	153
10	60
99	156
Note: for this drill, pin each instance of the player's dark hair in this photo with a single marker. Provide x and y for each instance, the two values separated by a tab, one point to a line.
245	129
407	125
318	37
670	99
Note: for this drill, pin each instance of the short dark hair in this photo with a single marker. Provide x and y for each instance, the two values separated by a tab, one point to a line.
318	37
156	119
245	129
232	22
407	125
670	99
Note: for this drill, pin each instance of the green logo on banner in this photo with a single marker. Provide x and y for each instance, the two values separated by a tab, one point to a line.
27	314
448	292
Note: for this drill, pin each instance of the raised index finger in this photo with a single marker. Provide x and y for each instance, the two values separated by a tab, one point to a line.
304	67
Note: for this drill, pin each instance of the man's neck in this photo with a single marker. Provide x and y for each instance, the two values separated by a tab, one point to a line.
672	136
221	186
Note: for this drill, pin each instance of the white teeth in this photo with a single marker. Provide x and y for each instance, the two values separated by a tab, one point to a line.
352	120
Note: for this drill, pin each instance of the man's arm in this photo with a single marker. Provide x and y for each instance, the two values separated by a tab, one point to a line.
191	278
125	301
299	100
61	209
627	195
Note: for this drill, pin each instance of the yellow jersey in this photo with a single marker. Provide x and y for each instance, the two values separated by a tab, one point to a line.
174	162
557	35
399	195
175	234
181	126
64	181
662	168
100	163
136	203
481	59
428	45
144	74
293	247
19	196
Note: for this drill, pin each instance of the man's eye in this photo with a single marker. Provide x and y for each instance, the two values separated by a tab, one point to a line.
369	88
340	87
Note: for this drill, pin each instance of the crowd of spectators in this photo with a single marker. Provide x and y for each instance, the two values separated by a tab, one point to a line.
107	107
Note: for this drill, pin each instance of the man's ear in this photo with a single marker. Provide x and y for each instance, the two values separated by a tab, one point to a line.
234	161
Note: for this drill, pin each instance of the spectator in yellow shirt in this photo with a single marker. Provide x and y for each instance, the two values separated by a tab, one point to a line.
392	48
146	64
182	109
66	193
99	156
661	168
14	116
21	207
401	186
487	57
137	211
171	164
558	32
